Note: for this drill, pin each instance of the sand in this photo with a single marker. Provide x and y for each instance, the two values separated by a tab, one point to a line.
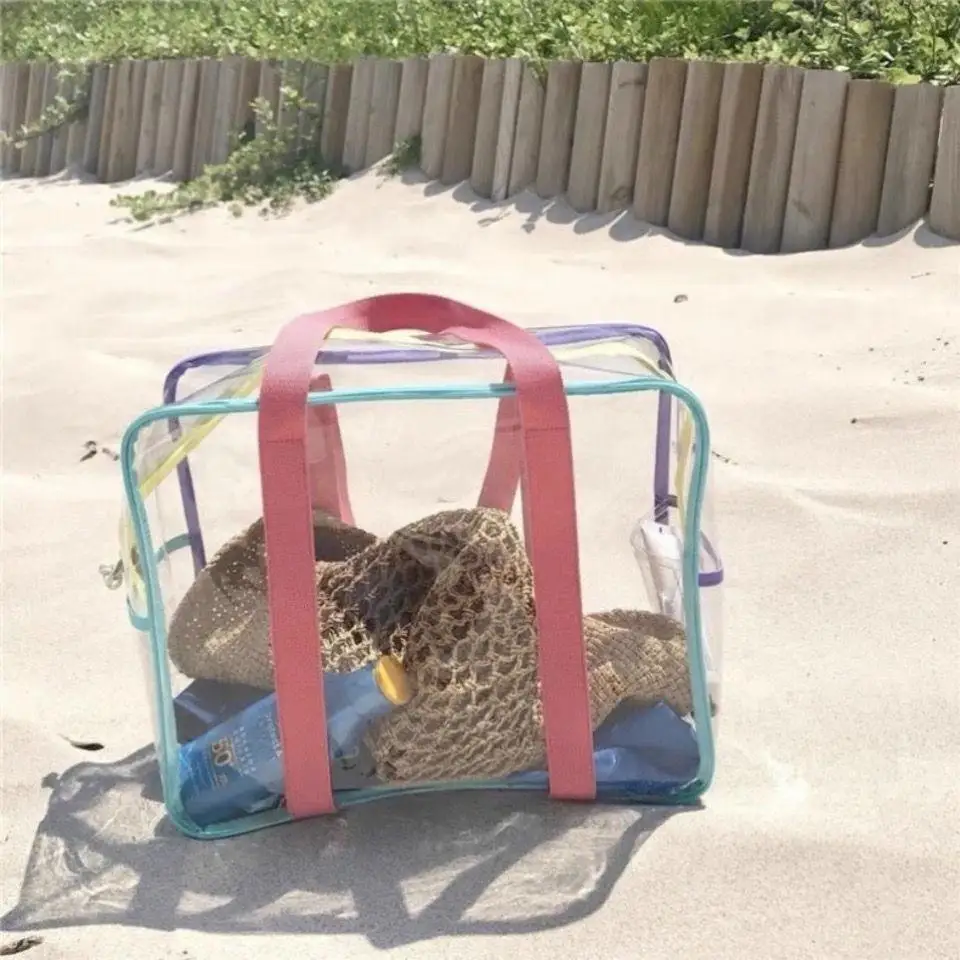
832	381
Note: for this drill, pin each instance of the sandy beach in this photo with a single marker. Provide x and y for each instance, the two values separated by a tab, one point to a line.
832	382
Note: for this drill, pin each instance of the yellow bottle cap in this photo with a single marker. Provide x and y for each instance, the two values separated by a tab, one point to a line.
392	680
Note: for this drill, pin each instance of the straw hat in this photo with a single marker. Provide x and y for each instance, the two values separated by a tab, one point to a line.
452	596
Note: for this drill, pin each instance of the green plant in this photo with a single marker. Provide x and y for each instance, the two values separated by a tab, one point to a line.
897	39
406	154
61	111
270	171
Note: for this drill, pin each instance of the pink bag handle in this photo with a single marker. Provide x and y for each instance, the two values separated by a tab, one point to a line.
502	478
325	458
550	525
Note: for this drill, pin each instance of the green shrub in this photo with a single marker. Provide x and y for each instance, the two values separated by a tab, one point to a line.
269	171
898	39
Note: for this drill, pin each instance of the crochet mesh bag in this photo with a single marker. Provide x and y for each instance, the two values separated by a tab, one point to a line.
483	608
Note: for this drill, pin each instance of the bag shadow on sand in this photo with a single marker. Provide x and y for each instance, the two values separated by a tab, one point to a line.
395	871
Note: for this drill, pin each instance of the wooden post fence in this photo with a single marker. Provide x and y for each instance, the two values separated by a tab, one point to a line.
764	158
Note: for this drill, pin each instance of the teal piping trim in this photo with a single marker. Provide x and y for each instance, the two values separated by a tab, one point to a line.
156	622
139	621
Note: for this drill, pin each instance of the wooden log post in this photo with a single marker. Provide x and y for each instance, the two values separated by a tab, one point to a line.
8	86
526	143
162	162
358	114
77	133
20	84
911	151
696	139
736	130
225	115
315	76
205	118
816	153
51	85
621	139
945	201
462	120
99	87
587	155
771	158
488	125
507	130
106	123
109	132
268	90
336	106
559	119
150	121
138	76
413	90
863	154
436	114
186	121
384	103
121	161
67	89
244	118
31	117
657	154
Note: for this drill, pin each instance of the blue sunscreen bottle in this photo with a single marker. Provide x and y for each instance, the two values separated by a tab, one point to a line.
237	767
649	747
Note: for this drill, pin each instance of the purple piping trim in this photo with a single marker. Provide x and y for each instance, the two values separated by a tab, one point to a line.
188	494
552	336
710	578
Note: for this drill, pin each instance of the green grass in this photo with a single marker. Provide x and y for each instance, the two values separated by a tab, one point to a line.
902	40
270	172
406	155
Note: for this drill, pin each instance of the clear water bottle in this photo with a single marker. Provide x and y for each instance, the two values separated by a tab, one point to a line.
237	767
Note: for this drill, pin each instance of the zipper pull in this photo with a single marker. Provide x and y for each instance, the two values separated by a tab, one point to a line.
112	574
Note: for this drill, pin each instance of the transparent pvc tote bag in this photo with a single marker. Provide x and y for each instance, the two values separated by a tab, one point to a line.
413	547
